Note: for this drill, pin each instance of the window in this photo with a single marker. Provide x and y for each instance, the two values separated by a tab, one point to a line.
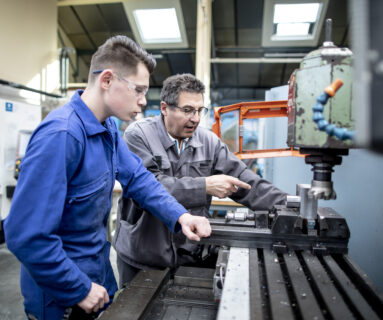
293	22
157	24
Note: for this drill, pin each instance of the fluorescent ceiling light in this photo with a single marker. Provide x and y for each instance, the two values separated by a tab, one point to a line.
158	25
293	29
295	13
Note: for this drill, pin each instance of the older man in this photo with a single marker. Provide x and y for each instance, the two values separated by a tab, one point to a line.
193	164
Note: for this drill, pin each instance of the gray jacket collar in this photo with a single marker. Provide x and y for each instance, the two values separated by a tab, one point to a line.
194	141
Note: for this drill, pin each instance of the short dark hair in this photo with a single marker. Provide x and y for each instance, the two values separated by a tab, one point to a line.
174	85
121	54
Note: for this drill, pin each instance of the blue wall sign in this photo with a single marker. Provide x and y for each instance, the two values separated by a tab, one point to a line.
9	106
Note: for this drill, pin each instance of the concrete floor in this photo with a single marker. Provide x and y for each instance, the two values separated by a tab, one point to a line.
11	300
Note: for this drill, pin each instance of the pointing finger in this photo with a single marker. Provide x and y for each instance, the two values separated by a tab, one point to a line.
241	184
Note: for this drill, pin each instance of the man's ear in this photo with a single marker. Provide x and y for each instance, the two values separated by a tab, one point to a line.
164	108
105	78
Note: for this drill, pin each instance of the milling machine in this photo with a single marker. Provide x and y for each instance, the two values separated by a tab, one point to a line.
290	262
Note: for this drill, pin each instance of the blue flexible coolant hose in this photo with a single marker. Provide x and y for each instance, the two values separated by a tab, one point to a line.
323	125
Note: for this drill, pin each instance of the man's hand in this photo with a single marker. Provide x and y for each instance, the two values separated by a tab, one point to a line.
194	227
222	186
95	300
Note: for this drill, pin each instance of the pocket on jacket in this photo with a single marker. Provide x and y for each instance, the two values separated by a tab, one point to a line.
88	190
162	162
146	242
86	206
200	168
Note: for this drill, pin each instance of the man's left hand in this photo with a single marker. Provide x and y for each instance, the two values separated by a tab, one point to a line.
194	227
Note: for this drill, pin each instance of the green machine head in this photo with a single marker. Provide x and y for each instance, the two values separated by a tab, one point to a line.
319	124
318	70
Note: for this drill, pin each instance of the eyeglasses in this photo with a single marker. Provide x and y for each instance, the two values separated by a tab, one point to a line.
190	111
139	89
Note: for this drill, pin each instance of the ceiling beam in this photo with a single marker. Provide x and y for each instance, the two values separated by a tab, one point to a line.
63	3
236	42
213	55
84	28
256	60
268	52
203	48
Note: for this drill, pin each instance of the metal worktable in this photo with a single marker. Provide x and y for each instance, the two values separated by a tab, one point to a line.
258	284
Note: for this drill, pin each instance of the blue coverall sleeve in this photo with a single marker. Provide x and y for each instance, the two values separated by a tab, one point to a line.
31	229
141	185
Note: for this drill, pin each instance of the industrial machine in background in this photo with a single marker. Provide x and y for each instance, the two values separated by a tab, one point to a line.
320	129
289	262
21	111
18	119
320	122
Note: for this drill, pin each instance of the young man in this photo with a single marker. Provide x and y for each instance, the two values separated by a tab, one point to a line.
58	220
193	165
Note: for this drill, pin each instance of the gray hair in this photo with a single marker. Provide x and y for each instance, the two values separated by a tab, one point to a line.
174	85
121	54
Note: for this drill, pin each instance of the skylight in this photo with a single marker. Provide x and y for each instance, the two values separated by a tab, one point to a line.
292	22
292	29
295	13
158	25
295	19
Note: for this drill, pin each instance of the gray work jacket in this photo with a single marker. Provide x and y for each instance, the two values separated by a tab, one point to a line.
141	239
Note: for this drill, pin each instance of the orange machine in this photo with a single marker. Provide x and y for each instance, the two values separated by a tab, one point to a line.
255	110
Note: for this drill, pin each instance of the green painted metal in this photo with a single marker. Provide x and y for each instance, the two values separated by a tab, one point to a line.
317	70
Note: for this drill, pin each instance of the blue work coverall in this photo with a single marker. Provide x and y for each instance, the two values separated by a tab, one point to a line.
57	224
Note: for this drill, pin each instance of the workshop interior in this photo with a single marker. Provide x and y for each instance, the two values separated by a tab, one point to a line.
292	88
